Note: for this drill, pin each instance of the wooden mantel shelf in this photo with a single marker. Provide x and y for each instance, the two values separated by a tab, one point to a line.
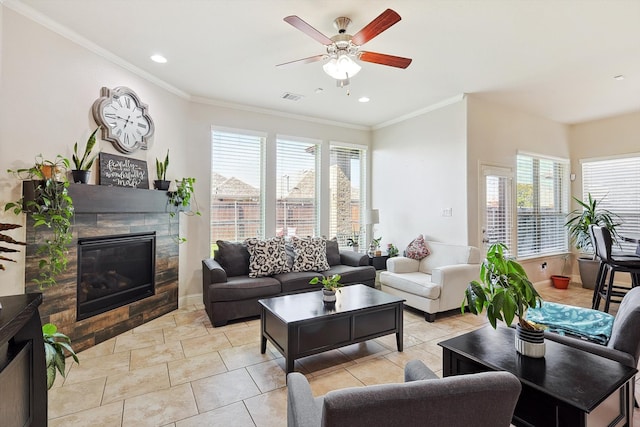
106	199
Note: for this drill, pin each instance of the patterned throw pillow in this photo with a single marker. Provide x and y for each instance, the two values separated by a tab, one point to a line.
311	254
417	249
267	257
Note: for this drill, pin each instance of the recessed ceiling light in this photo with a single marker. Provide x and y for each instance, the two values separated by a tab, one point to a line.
159	59
363	99
619	77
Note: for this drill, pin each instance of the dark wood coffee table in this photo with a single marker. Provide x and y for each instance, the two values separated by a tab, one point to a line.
568	387
300	325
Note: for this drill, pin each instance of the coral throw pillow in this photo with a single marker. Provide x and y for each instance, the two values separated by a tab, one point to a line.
417	249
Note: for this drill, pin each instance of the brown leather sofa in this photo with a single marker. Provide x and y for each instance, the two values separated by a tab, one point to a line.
229	293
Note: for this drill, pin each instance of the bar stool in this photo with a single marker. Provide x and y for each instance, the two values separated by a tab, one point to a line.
611	264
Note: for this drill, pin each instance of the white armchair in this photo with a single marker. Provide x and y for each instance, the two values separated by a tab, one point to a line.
435	283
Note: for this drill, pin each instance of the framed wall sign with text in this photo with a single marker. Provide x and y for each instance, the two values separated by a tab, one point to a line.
123	171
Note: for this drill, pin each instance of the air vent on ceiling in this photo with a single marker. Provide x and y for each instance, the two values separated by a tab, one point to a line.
292	96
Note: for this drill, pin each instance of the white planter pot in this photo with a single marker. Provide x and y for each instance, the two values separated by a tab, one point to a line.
328	297
529	343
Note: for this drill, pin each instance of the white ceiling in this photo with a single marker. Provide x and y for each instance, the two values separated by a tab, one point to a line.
552	58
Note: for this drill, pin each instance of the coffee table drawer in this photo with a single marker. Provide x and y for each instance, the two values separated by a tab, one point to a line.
314	336
375	322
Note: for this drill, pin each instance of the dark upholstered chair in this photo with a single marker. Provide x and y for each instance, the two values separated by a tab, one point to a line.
483	400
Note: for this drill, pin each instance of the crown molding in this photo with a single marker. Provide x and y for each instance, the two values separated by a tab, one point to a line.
427	109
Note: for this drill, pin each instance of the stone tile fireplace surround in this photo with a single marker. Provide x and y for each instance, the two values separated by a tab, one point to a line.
105	211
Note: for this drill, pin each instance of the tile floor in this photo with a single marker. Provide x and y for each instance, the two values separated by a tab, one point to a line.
179	371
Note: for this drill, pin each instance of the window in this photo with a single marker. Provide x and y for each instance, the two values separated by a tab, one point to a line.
297	188
615	183
541	200
346	174
236	186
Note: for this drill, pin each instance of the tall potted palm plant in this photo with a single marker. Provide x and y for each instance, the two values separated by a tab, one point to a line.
578	222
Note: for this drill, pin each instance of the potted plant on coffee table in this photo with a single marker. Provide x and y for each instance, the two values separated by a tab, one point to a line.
579	220
161	172
83	164
505	292
330	285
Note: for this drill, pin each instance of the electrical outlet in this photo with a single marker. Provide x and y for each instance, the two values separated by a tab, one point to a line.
543	266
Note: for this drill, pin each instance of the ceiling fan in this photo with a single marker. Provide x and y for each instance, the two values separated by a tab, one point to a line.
343	48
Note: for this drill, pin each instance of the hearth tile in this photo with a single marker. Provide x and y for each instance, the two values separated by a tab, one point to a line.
102	349
268	375
157	354
204	344
377	371
98	367
109	415
183	332
198	317
64	400
245	355
132	341
336	380
364	350
269	409
323	363
166	321
160	407
135	383
223	389
241	336
235	415
195	368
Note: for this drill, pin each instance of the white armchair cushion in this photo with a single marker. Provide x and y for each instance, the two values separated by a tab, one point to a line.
402	264
444	254
415	283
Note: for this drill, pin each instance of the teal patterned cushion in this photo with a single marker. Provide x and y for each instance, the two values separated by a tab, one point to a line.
592	325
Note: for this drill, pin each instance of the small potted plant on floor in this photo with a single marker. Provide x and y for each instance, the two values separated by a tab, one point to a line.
589	213
505	292
161	172
330	285
83	164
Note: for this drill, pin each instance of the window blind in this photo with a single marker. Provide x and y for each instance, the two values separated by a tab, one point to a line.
615	183
237	210
346	174
297	188
542	193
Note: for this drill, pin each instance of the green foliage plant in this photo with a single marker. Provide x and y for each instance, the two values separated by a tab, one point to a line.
10	240
182	198
329	283
85	162
51	207
504	290
590	213
55	345
376	242
161	168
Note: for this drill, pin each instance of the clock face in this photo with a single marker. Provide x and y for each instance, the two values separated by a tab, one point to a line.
124	119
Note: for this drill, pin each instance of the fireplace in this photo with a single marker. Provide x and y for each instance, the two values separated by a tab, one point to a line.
114	271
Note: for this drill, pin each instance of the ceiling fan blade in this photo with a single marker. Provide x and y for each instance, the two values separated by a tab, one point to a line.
308	29
304	60
385	20
383	59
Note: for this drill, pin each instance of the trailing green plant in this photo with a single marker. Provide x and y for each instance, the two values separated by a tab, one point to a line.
504	290
55	345
51	207
8	239
161	168
86	161
182	198
590	213
329	283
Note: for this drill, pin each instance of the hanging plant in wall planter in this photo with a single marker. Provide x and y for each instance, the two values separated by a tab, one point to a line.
183	200
46	200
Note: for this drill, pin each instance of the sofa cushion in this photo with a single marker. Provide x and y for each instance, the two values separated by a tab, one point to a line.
297	282
333	251
239	288
267	257
352	275
417	249
414	283
310	254
233	257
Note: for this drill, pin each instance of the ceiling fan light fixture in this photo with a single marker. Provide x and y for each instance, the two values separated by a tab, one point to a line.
341	68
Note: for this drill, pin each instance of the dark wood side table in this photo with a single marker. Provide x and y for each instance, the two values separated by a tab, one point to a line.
379	261
300	325
568	387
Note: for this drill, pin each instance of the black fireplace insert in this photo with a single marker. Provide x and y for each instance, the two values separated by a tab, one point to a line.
114	271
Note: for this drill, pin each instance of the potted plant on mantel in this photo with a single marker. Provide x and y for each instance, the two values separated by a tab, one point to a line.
578	224
46	199
83	164
506	292
161	172
329	287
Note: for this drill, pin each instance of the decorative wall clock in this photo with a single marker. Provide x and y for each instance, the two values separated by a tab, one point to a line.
124	119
